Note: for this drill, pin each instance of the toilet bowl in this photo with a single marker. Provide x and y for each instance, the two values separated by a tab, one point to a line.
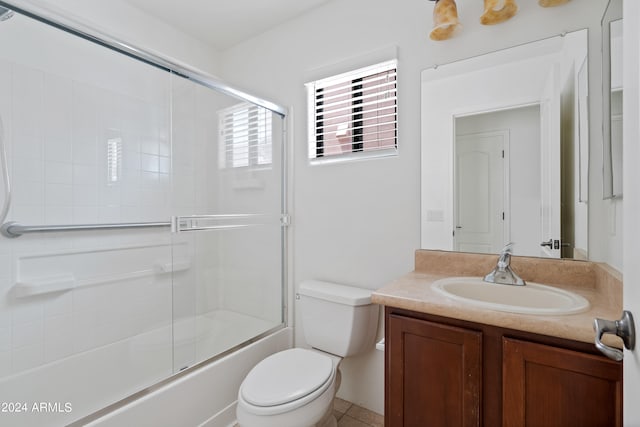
296	387
292	388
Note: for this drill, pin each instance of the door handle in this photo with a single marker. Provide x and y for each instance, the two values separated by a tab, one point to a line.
548	244
624	328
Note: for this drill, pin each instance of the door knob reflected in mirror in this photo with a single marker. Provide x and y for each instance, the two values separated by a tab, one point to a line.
548	244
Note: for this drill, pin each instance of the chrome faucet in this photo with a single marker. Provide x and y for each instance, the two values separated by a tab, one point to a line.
503	274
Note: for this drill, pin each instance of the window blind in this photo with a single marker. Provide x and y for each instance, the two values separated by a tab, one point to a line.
354	113
245	136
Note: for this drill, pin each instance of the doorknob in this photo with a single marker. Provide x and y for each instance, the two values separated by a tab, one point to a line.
548	244
624	328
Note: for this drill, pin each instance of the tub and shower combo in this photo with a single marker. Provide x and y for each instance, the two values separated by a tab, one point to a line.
143	221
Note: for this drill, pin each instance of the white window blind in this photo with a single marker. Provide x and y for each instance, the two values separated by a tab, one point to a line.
354	114
245	136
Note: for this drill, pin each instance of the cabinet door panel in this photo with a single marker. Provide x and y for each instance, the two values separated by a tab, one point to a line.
434	374
548	386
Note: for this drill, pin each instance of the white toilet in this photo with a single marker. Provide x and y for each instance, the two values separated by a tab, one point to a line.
296	387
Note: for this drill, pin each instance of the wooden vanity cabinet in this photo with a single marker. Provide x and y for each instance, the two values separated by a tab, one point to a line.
446	372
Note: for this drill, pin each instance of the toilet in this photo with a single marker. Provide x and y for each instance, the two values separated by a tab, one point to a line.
296	387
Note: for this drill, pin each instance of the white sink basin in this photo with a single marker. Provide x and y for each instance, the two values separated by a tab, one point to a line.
533	298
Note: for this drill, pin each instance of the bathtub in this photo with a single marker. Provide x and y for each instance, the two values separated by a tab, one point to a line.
205	394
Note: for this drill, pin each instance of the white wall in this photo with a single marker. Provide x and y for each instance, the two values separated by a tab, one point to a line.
523	125
119	19
365	234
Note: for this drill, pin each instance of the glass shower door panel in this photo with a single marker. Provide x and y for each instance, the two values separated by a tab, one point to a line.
234	280
227	206
85	316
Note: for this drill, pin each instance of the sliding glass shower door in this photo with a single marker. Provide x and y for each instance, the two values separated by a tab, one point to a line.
227	232
144	233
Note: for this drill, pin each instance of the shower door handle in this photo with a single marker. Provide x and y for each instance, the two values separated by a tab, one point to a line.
180	224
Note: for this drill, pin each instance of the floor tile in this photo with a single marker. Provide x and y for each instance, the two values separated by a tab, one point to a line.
347	421
341	405
366	416
349	415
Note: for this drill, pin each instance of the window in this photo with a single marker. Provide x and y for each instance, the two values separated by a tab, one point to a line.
114	159
245	136
354	114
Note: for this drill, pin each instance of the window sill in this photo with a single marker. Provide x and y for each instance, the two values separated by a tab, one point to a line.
352	157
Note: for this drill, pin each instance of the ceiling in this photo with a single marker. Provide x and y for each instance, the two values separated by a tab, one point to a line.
224	23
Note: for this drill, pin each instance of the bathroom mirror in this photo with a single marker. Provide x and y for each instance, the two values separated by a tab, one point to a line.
505	150
612	99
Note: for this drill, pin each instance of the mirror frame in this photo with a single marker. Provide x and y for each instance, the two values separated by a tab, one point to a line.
612	13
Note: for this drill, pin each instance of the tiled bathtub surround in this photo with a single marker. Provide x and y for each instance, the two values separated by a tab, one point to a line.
96	137
598	283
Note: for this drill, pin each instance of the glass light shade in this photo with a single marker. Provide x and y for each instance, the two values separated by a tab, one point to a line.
445	20
497	11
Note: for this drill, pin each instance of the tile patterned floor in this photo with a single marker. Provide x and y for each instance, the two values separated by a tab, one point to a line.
351	415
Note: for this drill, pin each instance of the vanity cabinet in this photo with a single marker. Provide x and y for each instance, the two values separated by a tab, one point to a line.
447	372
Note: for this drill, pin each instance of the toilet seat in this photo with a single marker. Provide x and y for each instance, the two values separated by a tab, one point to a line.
287	380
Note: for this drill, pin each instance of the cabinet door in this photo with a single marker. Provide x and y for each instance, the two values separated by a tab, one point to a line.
433	374
548	386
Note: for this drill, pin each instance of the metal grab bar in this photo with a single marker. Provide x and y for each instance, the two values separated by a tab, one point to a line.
14	229
178	224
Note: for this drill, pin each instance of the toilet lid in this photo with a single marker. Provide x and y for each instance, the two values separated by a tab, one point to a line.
286	376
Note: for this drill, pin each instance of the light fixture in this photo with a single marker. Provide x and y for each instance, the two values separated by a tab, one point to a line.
497	11
445	19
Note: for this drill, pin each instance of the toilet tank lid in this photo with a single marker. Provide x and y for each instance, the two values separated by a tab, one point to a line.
334	292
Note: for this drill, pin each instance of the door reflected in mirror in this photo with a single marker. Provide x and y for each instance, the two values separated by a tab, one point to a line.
615	104
505	150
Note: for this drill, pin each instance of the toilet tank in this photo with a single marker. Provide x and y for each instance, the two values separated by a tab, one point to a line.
337	319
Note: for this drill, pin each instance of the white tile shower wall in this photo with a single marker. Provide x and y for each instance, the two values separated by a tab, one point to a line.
57	121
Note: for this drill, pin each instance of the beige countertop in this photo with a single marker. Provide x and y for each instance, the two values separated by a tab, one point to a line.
598	283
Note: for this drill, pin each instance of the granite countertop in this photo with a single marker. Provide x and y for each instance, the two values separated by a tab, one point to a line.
598	283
